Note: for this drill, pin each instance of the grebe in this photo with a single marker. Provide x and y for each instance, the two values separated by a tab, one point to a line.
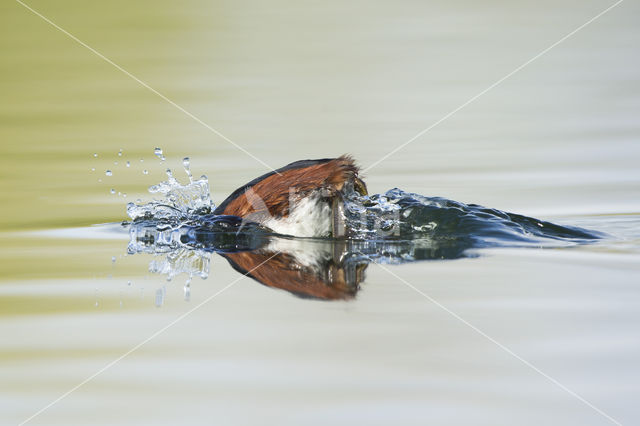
308	199
304	198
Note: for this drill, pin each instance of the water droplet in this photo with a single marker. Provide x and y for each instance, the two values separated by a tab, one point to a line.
95	155
159	298
142	160
115	163
169	173
113	191
120	153
108	173
139	200
124	194
145	172
99	180
187	168
128	164
113	259
119	193
187	289
93	169
187	293
128	282
158	152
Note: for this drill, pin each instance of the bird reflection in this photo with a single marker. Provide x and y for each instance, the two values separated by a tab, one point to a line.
308	268
322	278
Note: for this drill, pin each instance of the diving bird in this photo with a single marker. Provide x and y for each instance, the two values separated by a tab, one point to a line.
304	198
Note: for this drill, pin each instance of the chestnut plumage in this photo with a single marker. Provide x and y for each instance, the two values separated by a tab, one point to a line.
275	194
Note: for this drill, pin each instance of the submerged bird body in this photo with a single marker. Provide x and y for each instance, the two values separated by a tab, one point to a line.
304	198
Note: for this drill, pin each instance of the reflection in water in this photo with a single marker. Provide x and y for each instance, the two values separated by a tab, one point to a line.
311	268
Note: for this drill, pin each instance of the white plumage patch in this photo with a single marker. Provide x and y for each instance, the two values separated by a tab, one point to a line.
309	217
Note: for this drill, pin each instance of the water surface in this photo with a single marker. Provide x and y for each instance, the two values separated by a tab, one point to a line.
557	141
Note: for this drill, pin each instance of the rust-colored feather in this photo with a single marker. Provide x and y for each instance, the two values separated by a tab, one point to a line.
272	193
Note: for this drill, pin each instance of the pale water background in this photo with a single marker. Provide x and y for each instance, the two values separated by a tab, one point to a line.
559	140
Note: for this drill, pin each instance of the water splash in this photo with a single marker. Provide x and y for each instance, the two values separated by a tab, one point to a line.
178	201
183	260
182	219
